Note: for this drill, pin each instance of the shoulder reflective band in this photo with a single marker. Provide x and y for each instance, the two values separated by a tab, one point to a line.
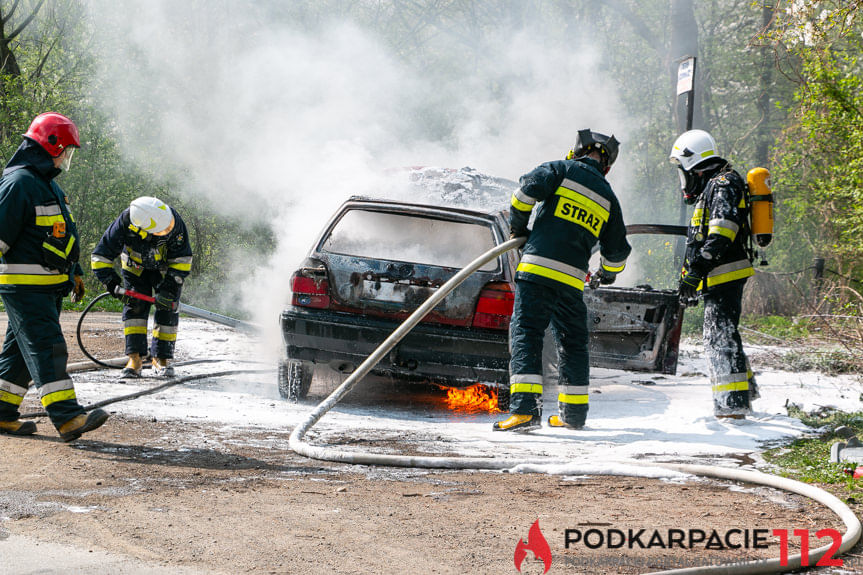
552	269
522	201
581	205
725	228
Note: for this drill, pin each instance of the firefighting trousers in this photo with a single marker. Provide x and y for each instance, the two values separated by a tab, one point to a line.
536	305
34	349
728	365
135	316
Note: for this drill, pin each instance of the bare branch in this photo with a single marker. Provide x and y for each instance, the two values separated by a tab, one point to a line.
26	21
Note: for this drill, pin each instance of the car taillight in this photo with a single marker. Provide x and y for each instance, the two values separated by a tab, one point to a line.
494	308
310	291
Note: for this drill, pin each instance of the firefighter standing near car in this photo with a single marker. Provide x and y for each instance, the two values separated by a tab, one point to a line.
577	208
716	265
152	242
39	266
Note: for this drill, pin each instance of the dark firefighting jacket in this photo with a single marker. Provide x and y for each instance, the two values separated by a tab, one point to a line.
138	251
38	237
718	231
578	208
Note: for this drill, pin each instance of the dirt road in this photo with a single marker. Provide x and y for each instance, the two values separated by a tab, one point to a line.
221	500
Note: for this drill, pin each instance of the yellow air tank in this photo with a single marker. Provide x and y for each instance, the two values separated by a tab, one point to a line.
761	206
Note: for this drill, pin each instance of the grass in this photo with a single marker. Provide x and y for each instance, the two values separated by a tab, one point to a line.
781	327
807	459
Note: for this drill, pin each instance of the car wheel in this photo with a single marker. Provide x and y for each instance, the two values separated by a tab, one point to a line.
295	379
503	397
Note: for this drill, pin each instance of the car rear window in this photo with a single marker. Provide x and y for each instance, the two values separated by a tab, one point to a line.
410	238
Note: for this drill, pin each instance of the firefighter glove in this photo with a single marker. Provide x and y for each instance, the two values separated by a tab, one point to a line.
165	302
688	289
605	277
111	286
78	289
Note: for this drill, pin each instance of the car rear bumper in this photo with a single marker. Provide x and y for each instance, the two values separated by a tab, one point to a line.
447	355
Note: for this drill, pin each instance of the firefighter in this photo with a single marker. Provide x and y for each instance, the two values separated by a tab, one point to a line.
39	266
577	208
155	254
716	265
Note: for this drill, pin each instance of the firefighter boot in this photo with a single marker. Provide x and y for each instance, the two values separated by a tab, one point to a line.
133	367
517	422
161	367
80	424
18	427
556	421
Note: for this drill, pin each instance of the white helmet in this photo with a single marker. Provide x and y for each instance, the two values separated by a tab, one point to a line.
151	215
692	148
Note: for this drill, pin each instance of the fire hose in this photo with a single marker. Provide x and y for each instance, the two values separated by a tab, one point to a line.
325	453
180	308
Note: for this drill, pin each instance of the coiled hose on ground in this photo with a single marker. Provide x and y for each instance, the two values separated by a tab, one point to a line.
321	452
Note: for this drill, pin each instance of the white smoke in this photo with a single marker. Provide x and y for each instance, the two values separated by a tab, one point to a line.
267	117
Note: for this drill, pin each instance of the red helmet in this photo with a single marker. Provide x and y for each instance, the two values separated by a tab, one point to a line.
54	132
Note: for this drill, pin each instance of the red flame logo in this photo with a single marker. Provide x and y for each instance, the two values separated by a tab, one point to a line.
535	542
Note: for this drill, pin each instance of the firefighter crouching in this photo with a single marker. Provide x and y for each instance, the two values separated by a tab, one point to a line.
39	266
153	245
577	208
716	265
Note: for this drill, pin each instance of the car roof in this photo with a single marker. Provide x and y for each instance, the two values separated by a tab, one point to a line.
380	202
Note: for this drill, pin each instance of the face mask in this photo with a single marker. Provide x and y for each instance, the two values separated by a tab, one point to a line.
690	186
67	159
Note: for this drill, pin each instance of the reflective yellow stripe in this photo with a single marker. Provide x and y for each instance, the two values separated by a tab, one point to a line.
697	216
135	330
50	398
551	274
181	267
69	245
525	388
7	397
735	386
100	265
573	399
722	231
615	267
25	279
730	272
162	336
50	220
519	205
54	250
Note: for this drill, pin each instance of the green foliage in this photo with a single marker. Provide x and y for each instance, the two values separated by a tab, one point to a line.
808	459
778	326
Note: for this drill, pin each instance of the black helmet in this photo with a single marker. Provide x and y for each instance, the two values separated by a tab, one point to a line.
587	141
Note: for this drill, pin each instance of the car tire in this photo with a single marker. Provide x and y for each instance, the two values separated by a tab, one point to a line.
503	397
295	379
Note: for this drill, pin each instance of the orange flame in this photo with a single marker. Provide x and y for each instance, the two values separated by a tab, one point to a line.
477	397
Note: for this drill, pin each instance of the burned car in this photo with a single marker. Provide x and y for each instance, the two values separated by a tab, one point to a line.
377	260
